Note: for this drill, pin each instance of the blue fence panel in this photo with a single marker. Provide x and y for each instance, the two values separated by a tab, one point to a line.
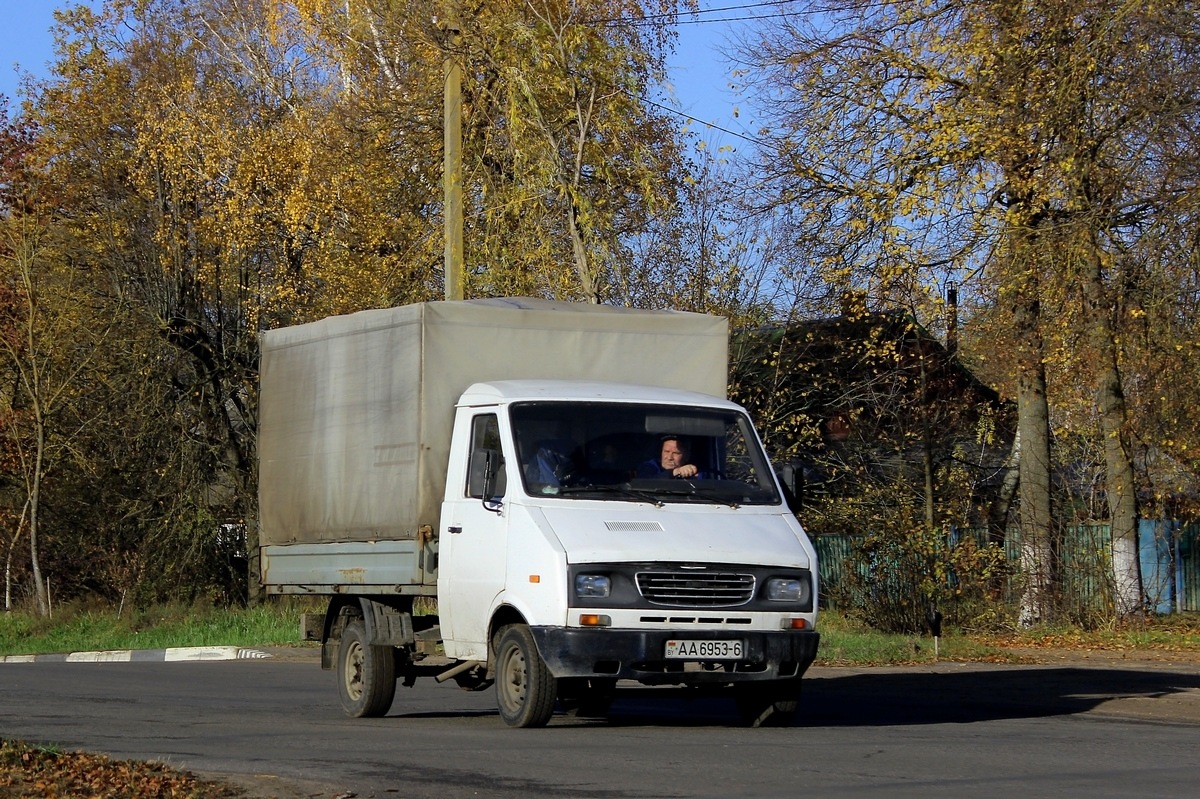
1169	557
1156	542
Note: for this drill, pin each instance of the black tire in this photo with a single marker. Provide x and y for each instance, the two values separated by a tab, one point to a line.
770	704
525	688
366	675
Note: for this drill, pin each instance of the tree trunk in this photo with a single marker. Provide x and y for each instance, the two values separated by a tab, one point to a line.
34	498
8	560
1120	484
587	281
12	551
1037	550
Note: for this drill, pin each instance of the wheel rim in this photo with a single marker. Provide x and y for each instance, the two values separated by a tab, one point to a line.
354	671
513	678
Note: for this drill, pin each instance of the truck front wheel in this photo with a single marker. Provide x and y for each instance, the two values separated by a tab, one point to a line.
366	674
525	688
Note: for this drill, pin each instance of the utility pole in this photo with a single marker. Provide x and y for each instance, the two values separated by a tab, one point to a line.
452	174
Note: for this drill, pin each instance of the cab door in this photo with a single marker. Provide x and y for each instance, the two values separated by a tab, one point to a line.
474	553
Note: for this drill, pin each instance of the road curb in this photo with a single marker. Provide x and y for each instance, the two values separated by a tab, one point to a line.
181	654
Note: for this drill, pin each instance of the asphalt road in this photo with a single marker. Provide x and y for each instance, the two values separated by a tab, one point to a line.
944	730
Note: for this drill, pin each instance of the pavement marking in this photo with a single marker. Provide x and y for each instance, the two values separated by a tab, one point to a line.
110	656
178	654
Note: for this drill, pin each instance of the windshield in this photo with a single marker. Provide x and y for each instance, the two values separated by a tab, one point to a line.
654	453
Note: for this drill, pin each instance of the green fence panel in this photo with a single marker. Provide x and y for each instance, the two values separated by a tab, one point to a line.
833	562
1187	580
1085	571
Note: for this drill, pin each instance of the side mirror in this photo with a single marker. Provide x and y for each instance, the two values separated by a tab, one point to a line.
791	477
487	479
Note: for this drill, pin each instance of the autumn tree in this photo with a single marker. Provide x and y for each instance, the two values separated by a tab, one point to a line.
702	254
888	442
14	144
96	434
51	354
226	166
564	161
1023	148
565	142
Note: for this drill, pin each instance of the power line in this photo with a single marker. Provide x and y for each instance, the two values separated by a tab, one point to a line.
750	18
691	118
746	18
655	18
744	7
724	10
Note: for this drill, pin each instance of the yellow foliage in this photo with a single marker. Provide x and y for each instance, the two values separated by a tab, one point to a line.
1021	149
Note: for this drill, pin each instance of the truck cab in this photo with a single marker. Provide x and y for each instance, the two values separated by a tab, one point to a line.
570	559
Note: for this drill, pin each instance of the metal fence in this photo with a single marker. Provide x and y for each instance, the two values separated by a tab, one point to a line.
1170	563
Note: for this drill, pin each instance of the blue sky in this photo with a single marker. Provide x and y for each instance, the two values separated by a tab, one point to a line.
25	39
698	72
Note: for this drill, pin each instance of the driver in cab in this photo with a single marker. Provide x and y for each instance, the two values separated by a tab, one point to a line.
673	461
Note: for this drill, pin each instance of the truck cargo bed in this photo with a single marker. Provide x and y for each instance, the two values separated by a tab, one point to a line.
355	418
368	567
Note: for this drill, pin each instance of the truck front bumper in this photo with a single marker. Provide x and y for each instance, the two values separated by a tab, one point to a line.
640	655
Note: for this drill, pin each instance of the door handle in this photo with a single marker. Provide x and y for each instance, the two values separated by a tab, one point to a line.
454	529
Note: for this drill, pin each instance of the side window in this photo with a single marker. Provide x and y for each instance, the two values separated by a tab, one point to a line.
485	475
738	463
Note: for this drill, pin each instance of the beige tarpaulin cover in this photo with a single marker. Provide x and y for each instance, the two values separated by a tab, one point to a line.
355	412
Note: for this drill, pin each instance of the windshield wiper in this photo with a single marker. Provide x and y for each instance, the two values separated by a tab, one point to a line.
693	490
624	491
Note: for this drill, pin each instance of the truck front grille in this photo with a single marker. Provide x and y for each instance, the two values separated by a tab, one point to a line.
692	589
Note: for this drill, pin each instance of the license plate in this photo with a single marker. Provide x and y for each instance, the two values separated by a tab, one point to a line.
685	649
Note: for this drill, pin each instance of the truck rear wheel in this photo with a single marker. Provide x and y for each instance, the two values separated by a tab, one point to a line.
525	688
769	704
366	674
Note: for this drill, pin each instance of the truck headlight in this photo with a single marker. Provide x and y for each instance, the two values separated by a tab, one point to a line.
592	585
785	589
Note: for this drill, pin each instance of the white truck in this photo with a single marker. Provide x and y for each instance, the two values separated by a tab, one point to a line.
473	485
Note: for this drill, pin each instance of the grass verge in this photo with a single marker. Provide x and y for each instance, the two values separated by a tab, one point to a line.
844	642
90	627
